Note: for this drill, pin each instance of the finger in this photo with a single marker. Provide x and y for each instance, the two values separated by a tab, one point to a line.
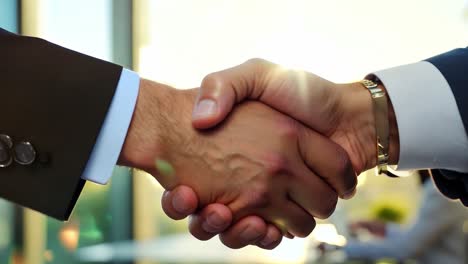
180	202
248	230
312	193
219	91
328	160
213	219
297	221
272	238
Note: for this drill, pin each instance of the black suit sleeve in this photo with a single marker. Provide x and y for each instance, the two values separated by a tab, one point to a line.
57	100
454	67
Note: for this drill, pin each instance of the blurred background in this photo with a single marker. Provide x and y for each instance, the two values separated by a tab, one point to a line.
178	42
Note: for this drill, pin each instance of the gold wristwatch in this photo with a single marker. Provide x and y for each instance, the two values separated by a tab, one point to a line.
380	105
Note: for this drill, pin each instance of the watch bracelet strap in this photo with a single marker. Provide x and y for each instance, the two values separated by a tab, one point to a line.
380	107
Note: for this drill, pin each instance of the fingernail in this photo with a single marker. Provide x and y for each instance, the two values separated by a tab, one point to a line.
249	234
179	205
205	108
348	195
213	223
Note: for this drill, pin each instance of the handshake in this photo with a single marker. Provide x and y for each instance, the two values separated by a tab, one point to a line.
257	153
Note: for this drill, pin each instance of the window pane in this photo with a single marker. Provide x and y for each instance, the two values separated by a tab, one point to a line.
84	26
187	39
8	15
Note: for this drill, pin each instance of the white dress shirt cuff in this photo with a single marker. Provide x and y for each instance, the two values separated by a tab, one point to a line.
430	127
110	140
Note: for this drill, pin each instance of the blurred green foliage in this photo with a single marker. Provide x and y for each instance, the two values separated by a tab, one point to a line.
388	213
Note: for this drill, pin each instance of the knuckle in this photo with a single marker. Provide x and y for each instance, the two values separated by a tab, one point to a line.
287	128
257	61
260	65
275	163
212	80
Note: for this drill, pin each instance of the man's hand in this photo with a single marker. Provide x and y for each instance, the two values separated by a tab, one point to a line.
257	162
342	112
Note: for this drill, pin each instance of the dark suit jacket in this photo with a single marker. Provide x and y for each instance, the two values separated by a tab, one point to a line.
57	100
454	67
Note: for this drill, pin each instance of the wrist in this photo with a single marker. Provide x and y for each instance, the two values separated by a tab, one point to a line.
361	114
149	126
371	130
358	119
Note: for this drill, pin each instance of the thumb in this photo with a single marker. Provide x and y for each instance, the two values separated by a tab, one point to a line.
219	92
214	102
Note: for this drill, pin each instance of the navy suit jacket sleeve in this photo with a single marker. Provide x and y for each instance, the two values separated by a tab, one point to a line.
454	67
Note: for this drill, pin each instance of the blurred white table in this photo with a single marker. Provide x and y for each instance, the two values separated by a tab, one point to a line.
183	248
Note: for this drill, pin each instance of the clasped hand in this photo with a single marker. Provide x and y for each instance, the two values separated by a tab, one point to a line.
264	152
